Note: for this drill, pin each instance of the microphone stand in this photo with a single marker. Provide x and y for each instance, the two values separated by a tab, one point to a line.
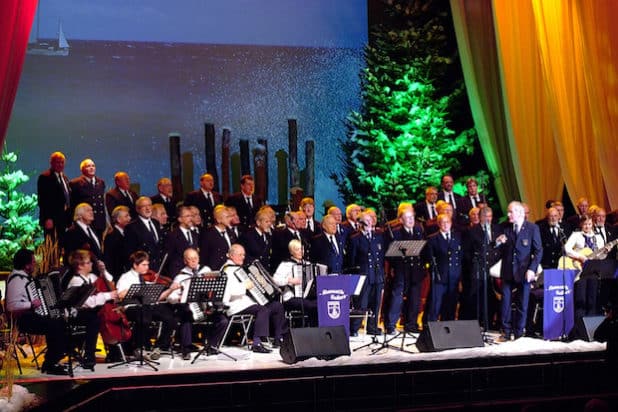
482	270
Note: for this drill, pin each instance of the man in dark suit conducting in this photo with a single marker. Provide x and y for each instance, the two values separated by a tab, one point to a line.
522	252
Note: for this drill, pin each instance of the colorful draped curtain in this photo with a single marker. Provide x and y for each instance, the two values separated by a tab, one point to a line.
541	79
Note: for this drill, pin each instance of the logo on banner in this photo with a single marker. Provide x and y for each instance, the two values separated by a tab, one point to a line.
334	309
558	304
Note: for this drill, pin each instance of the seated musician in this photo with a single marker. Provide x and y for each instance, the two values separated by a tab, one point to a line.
293	296
241	303
81	265
192	270
578	247
22	308
143	315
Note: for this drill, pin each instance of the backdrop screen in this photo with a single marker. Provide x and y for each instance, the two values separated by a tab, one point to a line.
138	70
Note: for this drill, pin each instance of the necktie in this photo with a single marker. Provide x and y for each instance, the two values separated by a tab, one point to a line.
452	200
188	236
65	190
516	228
433	211
153	231
93	237
128	196
333	243
488	233
227	238
94	181
473	201
448	237
600	232
296	235
249	202
209	197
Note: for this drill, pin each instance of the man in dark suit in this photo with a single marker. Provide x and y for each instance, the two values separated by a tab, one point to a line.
246	202
294	229
366	250
328	247
216	241
257	240
81	235
481	253
472	199
90	189
425	211
445	252
144	233
448	195
205	199
407	274
121	195
307	206
54	198
165	196
114	247
522	252
581	208
180	239
552	238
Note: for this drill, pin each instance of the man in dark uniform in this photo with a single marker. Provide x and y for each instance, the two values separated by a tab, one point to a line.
90	189
205	199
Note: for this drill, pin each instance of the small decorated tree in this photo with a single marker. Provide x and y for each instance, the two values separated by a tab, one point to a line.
18	224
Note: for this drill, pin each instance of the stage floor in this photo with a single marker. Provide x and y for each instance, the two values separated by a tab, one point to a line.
363	352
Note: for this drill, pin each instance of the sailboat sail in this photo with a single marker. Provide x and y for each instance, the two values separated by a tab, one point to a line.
62	40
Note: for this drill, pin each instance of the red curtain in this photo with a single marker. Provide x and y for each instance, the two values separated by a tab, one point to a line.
16	18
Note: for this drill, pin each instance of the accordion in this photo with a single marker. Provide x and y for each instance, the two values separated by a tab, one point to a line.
264	287
307	272
43	289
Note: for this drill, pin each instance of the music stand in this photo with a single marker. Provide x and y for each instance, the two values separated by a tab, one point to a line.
601	270
405	250
207	289
73	298
142	294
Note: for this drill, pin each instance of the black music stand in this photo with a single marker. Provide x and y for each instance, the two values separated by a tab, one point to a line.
142	294
71	299
601	270
207	291
406	250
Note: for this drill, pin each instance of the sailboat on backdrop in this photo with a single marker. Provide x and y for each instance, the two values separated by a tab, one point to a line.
50	48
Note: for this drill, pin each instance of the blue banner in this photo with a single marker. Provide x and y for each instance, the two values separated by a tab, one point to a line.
334	300
558	305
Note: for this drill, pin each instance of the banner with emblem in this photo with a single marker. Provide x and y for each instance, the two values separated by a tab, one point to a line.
334	299
558	304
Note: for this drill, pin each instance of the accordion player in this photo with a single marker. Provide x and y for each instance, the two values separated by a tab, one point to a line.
298	278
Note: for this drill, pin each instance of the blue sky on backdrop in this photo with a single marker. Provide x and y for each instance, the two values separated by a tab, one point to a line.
304	23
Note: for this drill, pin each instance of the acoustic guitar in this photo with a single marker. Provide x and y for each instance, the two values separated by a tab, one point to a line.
566	262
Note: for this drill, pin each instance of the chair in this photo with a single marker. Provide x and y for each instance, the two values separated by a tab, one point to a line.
245	321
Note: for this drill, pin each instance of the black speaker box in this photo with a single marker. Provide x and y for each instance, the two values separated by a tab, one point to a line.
326	342
586	326
451	334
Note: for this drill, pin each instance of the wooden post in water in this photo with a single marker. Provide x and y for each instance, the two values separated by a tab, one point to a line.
264	142
283	195
260	172
245	160
293	152
225	164
210	155
310	168
175	165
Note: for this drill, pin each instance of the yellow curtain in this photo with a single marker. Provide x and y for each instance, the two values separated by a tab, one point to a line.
531	139
474	27
563	62
600	39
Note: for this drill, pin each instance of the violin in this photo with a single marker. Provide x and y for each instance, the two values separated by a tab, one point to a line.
154	277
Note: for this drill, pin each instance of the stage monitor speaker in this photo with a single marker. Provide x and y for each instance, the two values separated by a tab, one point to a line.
586	326
452	334
326	342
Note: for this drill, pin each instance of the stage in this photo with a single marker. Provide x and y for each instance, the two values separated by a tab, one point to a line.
528	371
